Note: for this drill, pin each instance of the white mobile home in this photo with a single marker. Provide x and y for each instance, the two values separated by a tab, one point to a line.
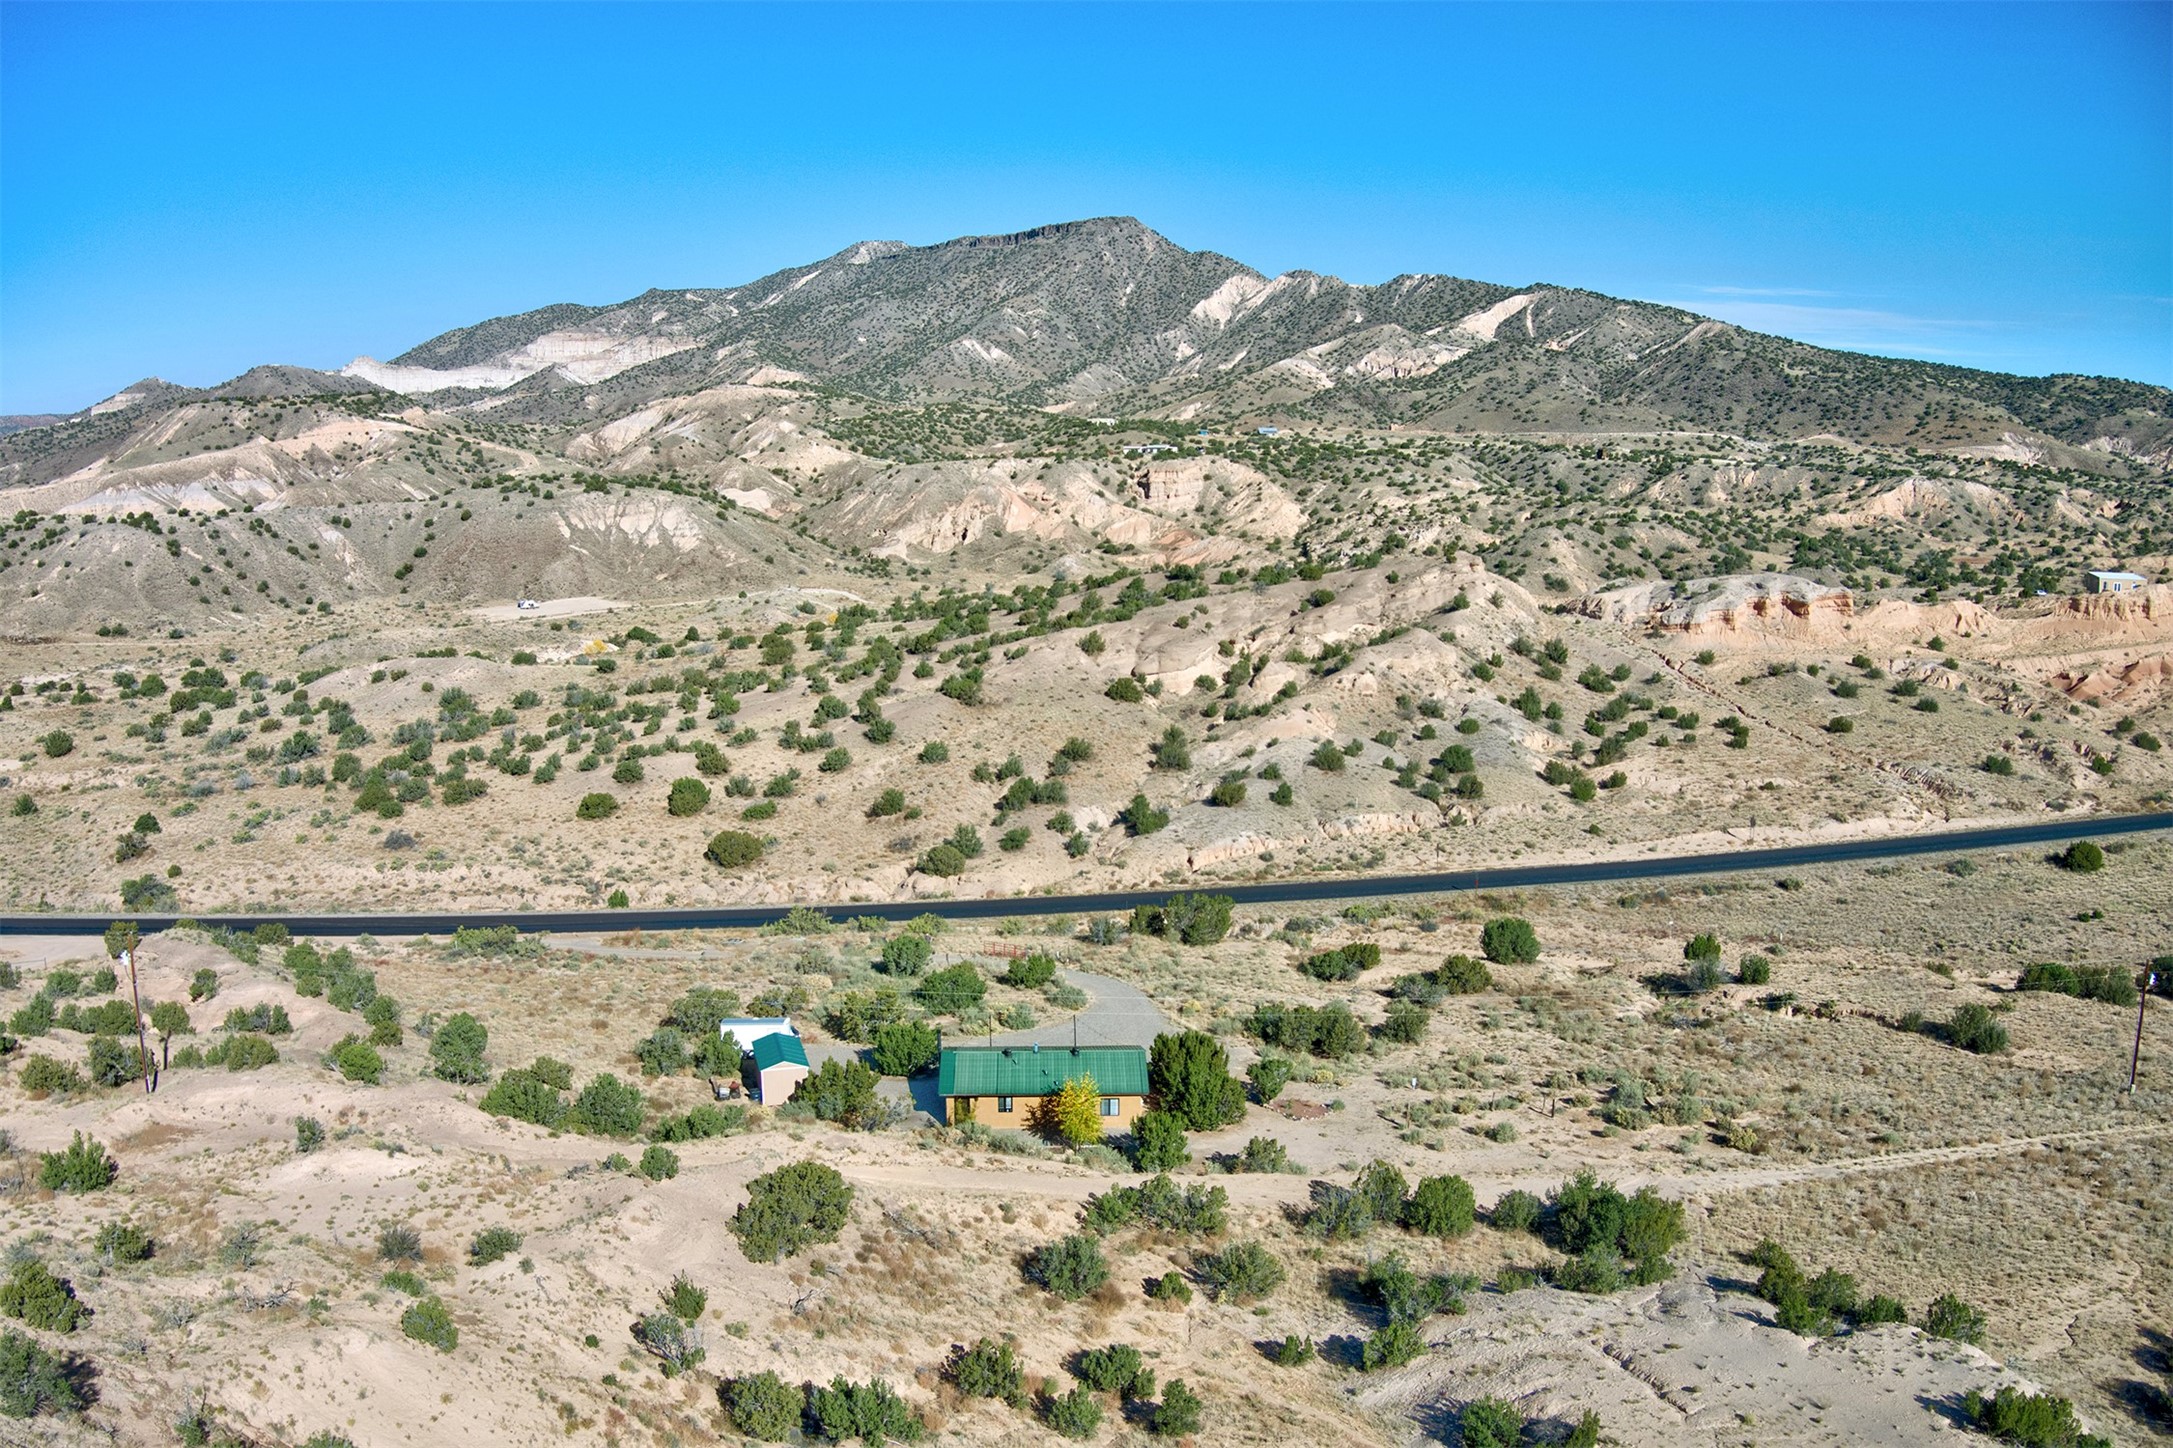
2112	580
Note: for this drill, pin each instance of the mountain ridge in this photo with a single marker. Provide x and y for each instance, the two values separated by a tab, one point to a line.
1106	315
891	404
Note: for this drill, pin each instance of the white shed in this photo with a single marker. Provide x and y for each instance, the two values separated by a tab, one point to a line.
749	1029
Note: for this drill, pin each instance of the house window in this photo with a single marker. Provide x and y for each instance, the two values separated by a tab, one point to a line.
1110	1106
1003	1105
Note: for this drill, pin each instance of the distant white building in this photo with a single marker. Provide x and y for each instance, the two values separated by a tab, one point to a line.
1269	431
2112	580
1103	421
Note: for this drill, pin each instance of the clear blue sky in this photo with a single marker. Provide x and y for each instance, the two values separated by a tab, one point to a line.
189	191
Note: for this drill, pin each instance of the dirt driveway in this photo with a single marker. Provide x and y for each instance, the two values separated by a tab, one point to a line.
1116	1014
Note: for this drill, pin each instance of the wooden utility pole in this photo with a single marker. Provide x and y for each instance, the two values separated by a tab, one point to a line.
137	999
2142	999
122	938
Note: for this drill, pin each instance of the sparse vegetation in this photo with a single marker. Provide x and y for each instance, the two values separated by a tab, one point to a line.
1178	1415
33	1295
906	1048
1425	636
2084	857
493	1244
764	1406
83	1166
797	1206
1509	941
1951	1318
1188	1076
1069	1267
733	849
33	1380
1490	1423
872	1412
1975	1029
1241	1272
456	1050
2036	1420
429	1322
989	1369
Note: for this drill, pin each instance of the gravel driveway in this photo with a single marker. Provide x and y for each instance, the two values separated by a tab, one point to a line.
1116	1015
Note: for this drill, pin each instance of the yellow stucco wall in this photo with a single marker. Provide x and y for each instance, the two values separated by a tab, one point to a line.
1021	1114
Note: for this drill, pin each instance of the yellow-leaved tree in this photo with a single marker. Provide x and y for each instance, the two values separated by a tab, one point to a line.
1074	1112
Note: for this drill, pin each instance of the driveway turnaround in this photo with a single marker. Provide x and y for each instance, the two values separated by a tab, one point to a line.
1116	1014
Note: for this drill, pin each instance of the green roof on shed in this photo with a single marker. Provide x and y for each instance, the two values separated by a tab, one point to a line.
1025	1071
777	1050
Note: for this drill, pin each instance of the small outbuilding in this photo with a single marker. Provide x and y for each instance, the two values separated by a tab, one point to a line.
1004	1086
779	1066
2112	580
747	1030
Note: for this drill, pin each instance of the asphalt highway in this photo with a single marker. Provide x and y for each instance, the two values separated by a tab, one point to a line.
698	917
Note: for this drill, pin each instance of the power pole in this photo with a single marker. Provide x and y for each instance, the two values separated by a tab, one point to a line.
2142	999
143	1049
122	938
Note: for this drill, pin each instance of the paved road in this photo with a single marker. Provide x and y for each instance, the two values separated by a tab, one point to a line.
711	917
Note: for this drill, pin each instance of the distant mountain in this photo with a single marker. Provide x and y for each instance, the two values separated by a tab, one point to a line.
274	381
1107	316
991	401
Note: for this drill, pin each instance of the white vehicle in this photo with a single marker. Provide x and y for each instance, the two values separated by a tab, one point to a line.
526	603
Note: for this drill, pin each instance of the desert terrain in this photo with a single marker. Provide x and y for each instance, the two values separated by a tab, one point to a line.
1803	1111
1064	563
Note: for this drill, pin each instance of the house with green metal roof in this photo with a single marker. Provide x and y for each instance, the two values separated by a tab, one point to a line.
780	1065
1004	1086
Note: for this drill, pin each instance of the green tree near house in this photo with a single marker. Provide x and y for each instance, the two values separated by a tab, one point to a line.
1188	1074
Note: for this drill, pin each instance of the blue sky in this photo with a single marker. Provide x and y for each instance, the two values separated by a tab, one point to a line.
189	191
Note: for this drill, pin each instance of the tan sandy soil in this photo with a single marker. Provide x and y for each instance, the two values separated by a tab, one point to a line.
1880	1158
